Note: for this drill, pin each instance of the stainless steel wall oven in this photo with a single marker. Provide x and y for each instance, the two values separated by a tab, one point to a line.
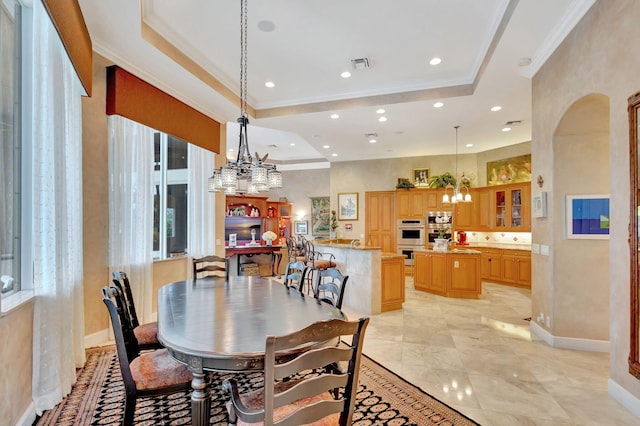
411	235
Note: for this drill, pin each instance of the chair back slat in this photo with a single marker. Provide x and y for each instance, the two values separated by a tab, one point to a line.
121	280
315	358
210	266
109	293
329	286
323	331
295	274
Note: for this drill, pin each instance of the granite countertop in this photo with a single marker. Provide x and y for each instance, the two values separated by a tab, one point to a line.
342	244
387	255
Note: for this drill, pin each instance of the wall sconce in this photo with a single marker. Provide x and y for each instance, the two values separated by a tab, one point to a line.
540	181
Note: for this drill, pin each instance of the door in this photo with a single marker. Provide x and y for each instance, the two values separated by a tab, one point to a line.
380	223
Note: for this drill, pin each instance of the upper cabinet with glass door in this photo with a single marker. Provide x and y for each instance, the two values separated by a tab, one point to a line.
511	207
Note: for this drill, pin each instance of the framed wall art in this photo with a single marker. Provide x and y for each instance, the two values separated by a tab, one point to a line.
320	216
300	227
587	217
348	206
421	178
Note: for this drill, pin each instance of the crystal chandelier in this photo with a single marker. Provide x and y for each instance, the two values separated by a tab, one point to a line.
257	175
456	194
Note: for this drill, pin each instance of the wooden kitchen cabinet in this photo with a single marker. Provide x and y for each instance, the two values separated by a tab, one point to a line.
516	268
278	219
504	266
380	220
410	204
482	209
511	207
432	199
392	296
450	274
491	263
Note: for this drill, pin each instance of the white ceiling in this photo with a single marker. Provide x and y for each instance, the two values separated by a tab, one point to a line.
191	49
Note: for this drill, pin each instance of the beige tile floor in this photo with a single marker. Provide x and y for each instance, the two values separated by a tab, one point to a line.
479	357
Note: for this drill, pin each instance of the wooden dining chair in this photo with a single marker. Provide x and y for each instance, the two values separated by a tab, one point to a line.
329	285
148	374
146	334
295	274
305	398
210	266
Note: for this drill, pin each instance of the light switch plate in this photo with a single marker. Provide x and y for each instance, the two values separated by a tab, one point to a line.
544	250
535	248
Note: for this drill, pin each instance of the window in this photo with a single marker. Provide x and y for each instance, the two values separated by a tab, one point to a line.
170	197
10	146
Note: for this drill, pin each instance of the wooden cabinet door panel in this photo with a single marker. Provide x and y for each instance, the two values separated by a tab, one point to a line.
509	268
403	204
524	270
464	273
437	273
392	284
420	270
380	223
482	214
432	200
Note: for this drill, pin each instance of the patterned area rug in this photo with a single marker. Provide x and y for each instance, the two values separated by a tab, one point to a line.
97	398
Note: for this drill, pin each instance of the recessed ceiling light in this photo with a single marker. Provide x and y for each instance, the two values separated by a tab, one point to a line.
335	116
334	155
435	61
380	111
266	26
469	145
345	74
230	149
496	108
270	84
372	141
438	105
292	144
506	129
326	146
523	62
382	119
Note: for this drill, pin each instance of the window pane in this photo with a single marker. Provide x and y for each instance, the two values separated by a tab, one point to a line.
176	220
9	151
177	154
156	220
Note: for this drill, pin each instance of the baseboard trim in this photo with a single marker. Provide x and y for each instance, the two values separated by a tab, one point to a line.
96	339
588	345
624	397
28	417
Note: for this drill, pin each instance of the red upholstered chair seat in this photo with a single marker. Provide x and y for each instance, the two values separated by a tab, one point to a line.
254	400
157	369
147	334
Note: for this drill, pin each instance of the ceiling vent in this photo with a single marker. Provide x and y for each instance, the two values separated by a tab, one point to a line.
360	64
513	123
370	135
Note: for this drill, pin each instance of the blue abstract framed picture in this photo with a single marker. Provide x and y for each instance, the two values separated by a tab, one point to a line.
588	216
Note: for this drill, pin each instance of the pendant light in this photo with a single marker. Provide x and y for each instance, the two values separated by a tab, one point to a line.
246	174
456	195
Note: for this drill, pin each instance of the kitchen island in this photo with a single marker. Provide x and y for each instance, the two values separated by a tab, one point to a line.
452	273
376	278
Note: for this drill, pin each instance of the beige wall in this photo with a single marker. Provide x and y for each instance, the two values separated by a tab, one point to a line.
16	353
95	199
595	58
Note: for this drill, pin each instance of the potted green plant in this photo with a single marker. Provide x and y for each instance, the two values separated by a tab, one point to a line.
442	181
404	183
334	224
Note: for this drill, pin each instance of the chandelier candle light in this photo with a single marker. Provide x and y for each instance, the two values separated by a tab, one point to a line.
456	195
259	176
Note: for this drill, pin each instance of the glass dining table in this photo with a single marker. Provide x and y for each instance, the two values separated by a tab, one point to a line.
213	324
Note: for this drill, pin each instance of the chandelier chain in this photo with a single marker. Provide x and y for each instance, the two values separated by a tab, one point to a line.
243	58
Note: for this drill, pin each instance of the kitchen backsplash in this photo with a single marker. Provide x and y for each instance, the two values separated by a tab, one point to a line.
499	237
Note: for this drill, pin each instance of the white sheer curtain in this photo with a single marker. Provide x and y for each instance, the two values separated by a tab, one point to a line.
58	326
131	192
201	222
